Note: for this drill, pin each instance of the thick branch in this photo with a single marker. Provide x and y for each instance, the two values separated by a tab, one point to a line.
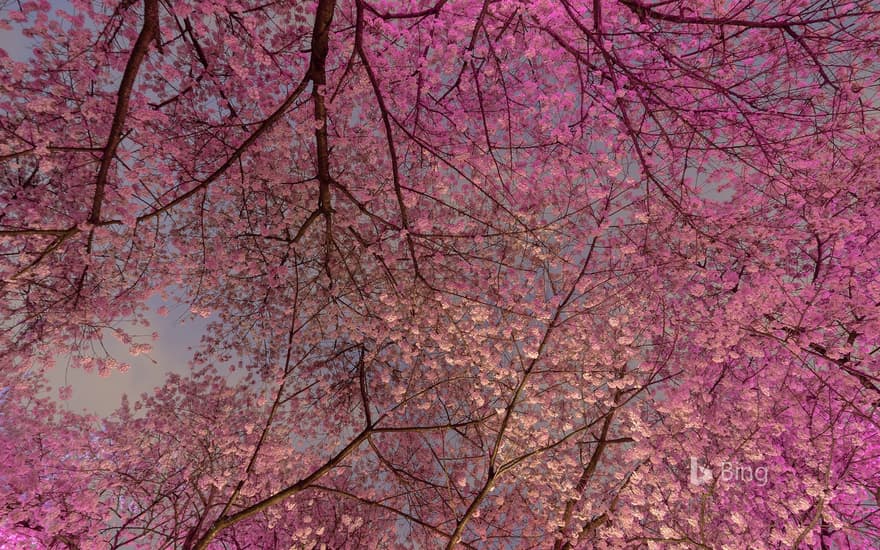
224	522
138	53
641	9
318	74
264	127
589	470
389	137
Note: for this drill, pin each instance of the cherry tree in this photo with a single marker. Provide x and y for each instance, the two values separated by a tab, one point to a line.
477	274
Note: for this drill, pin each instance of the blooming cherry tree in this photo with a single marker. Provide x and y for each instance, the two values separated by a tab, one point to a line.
477	274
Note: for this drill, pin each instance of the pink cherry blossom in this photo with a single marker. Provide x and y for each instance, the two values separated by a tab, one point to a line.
512	274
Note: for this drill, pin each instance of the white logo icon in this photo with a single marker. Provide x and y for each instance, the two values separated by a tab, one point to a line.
699	475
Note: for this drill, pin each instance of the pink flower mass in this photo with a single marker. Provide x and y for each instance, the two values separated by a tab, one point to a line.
494	274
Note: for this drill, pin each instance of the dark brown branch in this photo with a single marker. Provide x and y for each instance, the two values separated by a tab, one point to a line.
149	30
224	522
264	127
389	137
803	44
18	232
589	470
318	72
642	10
403	15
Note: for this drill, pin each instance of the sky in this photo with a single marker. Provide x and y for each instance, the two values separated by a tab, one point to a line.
171	353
